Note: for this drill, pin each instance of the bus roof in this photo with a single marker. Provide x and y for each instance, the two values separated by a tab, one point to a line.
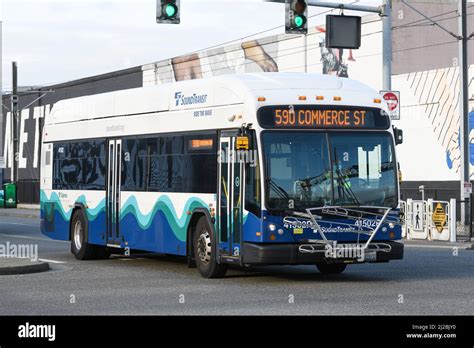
277	89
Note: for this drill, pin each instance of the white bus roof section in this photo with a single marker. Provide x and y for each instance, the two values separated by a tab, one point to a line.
232	89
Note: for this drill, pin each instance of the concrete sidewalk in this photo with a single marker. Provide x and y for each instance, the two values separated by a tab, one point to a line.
437	244
22	213
15	265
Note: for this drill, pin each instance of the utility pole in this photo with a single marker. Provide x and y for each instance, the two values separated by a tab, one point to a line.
14	119
463	109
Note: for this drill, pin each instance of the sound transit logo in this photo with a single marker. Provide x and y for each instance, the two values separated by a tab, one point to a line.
182	99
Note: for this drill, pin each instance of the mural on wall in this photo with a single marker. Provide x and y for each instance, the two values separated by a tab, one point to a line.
270	54
438	92
191	66
333	59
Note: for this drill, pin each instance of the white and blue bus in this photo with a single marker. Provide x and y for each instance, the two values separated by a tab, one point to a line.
250	169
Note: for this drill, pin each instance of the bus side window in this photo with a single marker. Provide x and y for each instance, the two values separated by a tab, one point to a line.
252	180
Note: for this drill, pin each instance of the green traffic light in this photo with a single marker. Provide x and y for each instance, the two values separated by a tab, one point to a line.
170	10
299	21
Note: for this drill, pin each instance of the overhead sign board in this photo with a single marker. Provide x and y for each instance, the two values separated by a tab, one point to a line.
393	102
343	31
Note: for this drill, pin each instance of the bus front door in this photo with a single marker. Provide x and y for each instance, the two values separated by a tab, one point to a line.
230	200
114	168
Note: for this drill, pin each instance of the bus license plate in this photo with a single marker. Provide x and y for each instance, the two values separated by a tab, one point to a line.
370	256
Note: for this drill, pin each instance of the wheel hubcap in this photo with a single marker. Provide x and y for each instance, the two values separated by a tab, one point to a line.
204	247
78	235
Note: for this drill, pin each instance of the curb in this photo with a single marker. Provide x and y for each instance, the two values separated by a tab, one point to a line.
19	215
36	267
466	246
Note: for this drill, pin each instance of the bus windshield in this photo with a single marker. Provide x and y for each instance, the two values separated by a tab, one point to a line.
312	169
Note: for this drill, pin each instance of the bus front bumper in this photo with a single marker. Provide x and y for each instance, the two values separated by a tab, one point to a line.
289	254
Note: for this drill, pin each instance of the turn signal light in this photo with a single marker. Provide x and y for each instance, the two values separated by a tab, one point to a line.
261	99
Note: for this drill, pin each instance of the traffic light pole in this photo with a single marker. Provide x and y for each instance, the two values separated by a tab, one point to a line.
385	11
387	44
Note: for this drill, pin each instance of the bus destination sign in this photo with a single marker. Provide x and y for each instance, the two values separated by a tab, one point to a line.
321	116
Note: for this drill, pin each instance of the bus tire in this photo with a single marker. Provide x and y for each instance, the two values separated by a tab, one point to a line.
203	243
81	249
331	268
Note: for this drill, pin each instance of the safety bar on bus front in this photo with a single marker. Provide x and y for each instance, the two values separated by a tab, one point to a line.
348	213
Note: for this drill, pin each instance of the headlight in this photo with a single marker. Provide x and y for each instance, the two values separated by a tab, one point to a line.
272	227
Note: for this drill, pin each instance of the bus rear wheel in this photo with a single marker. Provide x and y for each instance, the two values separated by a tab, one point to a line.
81	249
331	268
203	243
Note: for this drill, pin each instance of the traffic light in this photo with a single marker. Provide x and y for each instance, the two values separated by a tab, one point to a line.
167	11
296	21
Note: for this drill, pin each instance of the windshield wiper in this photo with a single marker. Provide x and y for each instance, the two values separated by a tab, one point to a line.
279	190
346	187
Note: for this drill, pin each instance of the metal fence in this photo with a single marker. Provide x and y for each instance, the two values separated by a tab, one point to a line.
436	220
464	230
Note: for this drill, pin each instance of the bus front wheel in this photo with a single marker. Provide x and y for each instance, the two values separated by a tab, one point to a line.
203	242
331	268
80	247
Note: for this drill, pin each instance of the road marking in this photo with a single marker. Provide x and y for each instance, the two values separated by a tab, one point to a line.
52	261
438	246
33	238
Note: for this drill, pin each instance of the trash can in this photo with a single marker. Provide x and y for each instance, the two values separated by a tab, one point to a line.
9	193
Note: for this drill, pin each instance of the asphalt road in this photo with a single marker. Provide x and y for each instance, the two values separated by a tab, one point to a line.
427	281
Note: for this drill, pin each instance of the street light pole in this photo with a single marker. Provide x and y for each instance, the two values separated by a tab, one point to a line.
14	122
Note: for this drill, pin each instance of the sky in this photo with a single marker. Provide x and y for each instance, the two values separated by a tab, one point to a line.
61	40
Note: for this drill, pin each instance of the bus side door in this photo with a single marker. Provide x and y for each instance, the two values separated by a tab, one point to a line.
230	202
114	167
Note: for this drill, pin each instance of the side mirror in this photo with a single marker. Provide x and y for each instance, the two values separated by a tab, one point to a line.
398	133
